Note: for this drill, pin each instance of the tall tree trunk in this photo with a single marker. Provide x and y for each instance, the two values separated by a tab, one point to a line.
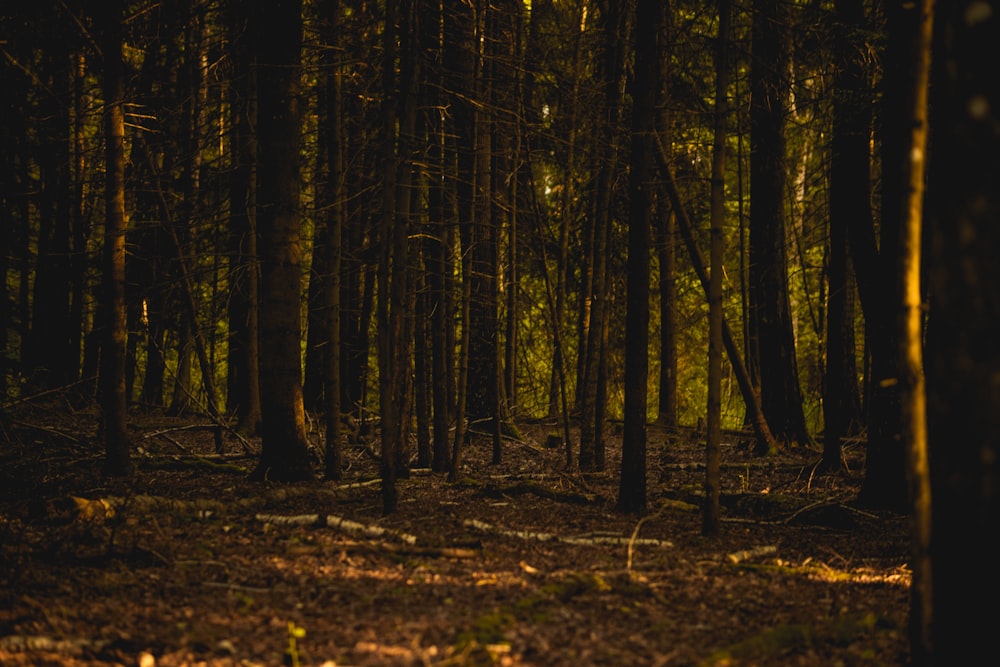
460	61
850	197
632	488
277	38
51	362
567	212
711	524
665	234
963	359
114	415
244	366
596	307
395	335
885	485
772	337
334	194
483	380
910	330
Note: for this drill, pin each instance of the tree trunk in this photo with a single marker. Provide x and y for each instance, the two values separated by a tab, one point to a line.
277	38
51	361
772	338
114	415
595	310
711	521
910	330
885	485
850	197
963	359
632	489
333	202
244	366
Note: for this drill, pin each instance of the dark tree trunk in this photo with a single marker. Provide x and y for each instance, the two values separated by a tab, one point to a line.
51	362
277	39
460	63
770	311
963	359
114	416
711	523
243	378
884	486
850	198
632	490
590	392
333	203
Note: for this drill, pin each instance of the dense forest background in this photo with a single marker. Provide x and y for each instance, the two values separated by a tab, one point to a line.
437	217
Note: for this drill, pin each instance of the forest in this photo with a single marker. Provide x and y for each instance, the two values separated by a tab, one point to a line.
318	305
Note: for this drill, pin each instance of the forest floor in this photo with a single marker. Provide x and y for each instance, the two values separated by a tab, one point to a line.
521	563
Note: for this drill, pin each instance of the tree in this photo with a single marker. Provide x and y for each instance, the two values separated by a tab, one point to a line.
850	198
645	88
395	337
962	359
711	523
772	338
333	203
244	360
596	309
276	28
51	360
114	410
875	261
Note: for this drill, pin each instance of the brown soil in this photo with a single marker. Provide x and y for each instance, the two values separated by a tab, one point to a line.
191	564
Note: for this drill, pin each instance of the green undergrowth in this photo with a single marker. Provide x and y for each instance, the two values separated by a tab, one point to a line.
773	643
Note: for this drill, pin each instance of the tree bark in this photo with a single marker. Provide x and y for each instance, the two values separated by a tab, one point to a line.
277	35
850	197
772	338
114	411
711	521
632	488
243	396
962	356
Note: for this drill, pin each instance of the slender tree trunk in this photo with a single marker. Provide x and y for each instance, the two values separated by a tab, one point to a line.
334	200
910	328
711	522
114	416
632	489
595	310
765	440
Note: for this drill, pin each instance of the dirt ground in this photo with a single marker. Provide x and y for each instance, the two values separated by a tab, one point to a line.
517	564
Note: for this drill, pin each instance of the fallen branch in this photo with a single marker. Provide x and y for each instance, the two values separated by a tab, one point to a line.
331	521
737	557
65	647
552	537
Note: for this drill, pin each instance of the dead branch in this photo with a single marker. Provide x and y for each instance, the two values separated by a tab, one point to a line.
593	540
332	521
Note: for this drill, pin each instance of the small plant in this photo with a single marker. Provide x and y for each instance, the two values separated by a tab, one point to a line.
292	652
